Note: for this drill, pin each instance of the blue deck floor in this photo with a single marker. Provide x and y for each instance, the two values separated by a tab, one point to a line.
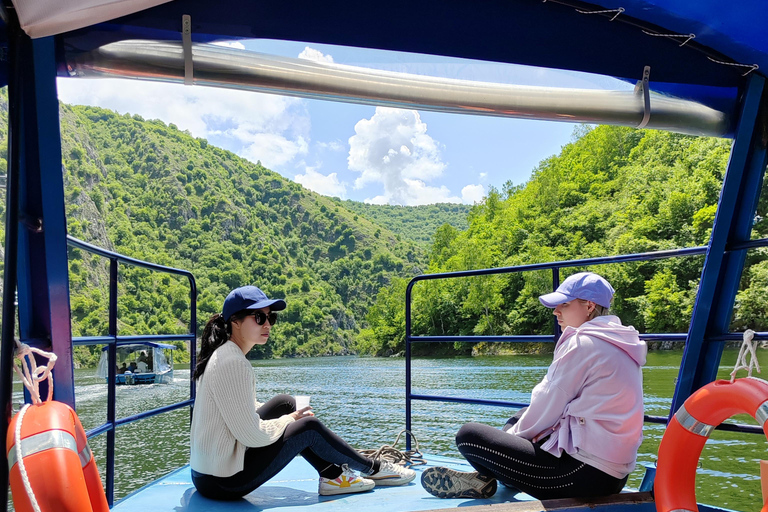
295	489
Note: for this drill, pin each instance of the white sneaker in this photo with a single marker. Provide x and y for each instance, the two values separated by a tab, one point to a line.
392	474
346	483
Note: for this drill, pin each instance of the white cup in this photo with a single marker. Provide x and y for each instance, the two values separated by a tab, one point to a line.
302	401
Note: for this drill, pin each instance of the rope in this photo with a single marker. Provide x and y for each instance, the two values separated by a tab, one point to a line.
606	11
748	347
687	36
31	376
20	460
390	453
752	67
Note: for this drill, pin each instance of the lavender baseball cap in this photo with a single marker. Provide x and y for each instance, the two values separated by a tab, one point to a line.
584	285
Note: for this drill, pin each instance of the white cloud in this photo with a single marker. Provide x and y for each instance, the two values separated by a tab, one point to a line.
316	55
246	123
334	145
483	175
417	193
322	184
230	44
393	148
472	194
272	149
377	200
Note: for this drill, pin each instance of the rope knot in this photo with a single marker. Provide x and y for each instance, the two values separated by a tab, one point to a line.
30	373
390	453
748	346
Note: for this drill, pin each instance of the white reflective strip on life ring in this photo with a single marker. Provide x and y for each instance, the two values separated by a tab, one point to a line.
681	510
85	456
761	415
43	441
693	425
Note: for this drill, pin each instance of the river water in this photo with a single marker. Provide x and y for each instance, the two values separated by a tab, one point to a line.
362	399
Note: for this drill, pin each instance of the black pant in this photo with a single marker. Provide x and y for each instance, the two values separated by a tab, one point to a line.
323	449
522	464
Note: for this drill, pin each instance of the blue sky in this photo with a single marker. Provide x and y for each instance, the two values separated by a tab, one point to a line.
364	153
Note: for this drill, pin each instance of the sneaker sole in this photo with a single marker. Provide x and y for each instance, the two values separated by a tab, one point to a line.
448	483
392	481
345	490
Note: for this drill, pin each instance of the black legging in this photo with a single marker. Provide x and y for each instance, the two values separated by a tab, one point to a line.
307	436
522	464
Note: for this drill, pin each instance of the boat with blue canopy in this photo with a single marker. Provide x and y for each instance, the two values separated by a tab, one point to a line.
697	68
139	363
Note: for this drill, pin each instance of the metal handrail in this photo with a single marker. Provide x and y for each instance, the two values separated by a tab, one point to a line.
112	339
555	268
217	66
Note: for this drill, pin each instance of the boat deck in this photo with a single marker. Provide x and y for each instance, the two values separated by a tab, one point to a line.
295	489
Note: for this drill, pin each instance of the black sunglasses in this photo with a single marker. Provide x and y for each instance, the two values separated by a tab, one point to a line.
262	317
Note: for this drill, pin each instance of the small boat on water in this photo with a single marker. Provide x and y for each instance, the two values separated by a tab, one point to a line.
139	363
699	67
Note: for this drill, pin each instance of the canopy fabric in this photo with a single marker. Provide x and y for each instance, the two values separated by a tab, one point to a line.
132	346
699	51
39	18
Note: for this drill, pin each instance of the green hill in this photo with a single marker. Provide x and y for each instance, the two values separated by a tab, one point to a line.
612	191
150	191
417	223
153	192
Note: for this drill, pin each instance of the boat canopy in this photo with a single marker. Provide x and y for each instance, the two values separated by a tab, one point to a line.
156	359
699	51
133	346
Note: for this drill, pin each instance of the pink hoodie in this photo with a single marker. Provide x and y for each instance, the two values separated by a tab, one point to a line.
591	400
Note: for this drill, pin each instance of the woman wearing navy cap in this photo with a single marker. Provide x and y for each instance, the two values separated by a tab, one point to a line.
237	443
580	435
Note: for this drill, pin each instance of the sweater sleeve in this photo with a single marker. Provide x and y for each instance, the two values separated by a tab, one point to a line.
549	399
233	388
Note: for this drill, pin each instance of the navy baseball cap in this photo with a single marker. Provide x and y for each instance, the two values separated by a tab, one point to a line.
249	297
584	285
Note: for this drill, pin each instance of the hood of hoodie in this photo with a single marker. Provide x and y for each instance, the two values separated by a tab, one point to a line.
609	328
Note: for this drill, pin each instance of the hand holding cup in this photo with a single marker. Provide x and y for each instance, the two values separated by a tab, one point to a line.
302	407
302	401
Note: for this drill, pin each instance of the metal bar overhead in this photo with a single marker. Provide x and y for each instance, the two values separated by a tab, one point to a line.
218	66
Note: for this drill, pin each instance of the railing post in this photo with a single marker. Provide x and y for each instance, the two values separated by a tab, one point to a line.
192	343
556	332
43	276
722	270
11	239
112	374
408	364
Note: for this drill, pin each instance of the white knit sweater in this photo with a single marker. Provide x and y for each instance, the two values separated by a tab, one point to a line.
224	421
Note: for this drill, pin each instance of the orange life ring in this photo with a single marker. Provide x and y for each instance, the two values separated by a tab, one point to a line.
686	434
58	463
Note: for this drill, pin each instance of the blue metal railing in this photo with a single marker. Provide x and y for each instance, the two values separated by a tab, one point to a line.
113	338
555	268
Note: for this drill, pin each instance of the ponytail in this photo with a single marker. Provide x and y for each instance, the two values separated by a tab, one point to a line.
214	335
598	311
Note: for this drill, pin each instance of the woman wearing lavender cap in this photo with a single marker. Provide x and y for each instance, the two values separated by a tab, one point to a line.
238	443
580	435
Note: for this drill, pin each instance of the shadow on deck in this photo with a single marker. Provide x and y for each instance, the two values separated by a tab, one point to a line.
295	489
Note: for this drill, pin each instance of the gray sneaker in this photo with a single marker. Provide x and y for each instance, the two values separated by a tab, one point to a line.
449	483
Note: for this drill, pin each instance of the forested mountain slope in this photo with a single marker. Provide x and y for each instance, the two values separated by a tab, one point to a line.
418	223
612	191
153	192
